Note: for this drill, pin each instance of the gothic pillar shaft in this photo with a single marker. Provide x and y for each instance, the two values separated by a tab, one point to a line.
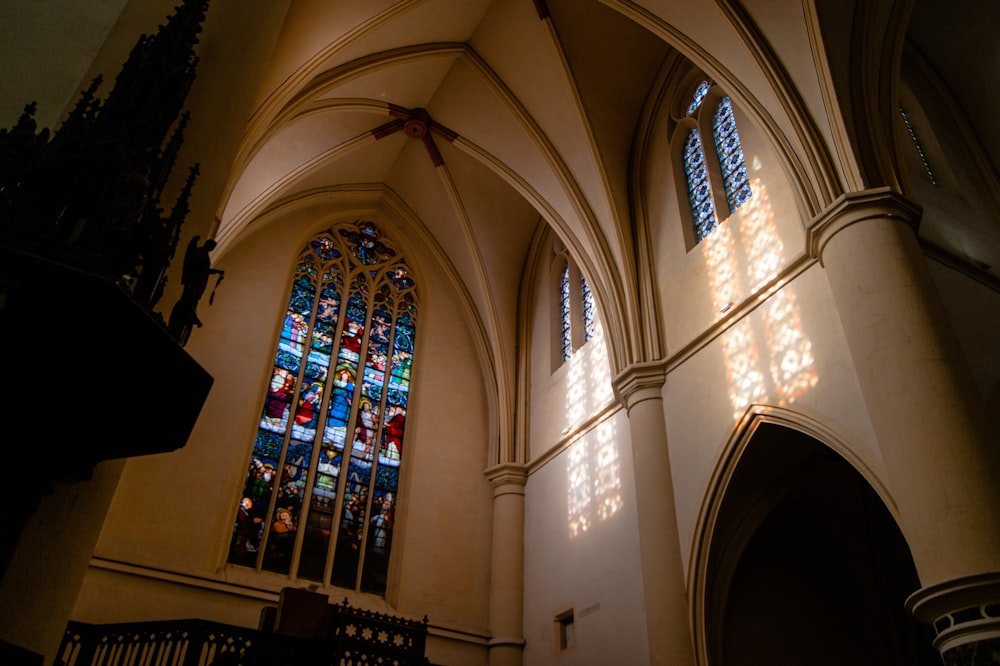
507	571
667	623
940	459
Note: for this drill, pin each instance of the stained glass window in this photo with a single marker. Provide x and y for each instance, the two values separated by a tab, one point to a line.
731	160
698	97
565	314
339	389
699	189
588	310
916	142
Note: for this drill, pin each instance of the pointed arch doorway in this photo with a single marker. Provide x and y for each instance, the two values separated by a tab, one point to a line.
806	565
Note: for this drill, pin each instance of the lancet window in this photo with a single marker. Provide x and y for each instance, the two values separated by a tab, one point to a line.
715	175
320	494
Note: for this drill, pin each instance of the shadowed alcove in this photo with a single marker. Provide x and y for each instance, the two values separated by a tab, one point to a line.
807	565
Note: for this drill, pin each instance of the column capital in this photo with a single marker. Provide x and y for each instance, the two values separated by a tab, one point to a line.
964	610
507	477
853	207
639	382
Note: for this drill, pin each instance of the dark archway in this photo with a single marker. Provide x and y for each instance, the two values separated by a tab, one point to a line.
807	565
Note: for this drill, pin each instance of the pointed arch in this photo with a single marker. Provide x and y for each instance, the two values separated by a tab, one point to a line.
329	442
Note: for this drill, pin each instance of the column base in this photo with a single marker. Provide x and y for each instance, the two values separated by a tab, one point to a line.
965	614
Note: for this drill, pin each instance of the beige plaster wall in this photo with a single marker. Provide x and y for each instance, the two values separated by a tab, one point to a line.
174	513
797	363
748	321
582	552
974	311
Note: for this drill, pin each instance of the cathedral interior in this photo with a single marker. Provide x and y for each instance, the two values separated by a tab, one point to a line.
661	332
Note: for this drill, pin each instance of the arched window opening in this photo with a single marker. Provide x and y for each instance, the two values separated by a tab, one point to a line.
587	297
341	374
699	189
698	97
731	160
565	314
577	315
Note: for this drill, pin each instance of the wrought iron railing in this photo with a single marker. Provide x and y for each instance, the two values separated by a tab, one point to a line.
361	637
354	637
183	643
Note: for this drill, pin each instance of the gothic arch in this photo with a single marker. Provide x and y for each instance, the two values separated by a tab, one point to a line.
785	484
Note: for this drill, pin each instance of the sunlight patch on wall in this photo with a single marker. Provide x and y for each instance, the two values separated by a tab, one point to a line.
593	473
788	370
600	372
588	381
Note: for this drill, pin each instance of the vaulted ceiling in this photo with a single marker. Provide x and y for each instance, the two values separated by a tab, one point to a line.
484	118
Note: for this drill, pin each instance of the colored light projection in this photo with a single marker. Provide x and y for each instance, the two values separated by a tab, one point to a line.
352	306
593	469
749	250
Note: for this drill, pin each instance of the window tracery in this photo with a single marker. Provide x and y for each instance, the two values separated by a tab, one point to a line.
716	177
339	388
577	314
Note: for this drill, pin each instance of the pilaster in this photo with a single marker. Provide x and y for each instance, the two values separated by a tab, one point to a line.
668	628
507	572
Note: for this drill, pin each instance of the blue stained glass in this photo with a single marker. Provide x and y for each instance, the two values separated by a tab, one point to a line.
288	361
329	303
307	266
699	190
919	147
280	516
317	365
588	310
565	315
366	244
731	158
303	294
698	97
400	278
324	249
323	335
267	445
403	341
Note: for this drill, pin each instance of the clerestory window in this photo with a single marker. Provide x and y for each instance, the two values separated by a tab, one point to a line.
716	175
577	311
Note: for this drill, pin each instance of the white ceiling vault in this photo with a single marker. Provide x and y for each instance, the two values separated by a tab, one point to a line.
485	118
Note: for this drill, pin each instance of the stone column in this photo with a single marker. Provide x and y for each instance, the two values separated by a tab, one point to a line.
941	459
640	388
507	571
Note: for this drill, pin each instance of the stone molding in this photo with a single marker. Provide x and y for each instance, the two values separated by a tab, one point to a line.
853	207
639	382
507	478
510	641
962	611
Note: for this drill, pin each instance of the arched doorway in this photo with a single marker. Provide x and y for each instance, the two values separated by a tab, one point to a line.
807	565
